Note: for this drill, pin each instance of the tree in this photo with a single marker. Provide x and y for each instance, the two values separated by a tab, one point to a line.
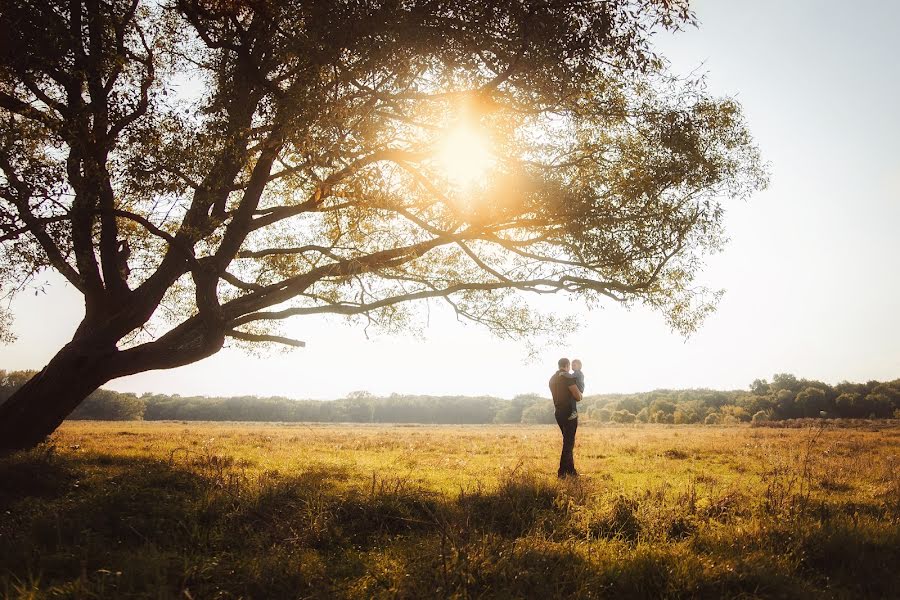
850	405
811	402
512	413
107	405
10	381
623	416
661	406
785	408
753	403
785	381
759	387
603	415
631	404
539	413
201	170
738	412
880	405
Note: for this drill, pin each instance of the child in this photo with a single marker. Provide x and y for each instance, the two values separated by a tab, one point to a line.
578	376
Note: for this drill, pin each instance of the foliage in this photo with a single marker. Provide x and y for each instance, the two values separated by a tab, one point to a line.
540	412
107	405
622	416
10	381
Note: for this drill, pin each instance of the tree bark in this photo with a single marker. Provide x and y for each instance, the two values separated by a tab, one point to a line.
36	409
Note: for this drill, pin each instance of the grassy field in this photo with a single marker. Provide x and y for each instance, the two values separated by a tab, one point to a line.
202	510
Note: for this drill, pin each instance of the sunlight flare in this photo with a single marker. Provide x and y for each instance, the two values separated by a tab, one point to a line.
465	156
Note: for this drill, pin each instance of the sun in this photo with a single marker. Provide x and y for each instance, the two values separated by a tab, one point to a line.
465	156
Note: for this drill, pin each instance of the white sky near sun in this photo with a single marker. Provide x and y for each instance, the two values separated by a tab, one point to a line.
812	271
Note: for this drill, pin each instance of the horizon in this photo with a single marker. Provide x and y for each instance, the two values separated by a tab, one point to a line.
545	395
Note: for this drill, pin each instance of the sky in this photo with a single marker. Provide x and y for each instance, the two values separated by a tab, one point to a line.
811	273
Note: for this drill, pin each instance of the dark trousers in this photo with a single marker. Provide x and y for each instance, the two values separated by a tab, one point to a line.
566	458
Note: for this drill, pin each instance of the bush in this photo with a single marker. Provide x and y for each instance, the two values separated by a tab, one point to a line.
622	416
761	417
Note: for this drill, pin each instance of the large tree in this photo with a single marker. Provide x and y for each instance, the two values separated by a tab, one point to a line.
202	169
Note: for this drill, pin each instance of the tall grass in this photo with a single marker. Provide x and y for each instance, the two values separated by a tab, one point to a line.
219	511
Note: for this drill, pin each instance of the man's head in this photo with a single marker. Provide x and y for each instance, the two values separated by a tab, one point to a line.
576	364
563	364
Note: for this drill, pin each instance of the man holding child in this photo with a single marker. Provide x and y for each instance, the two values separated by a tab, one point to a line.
566	389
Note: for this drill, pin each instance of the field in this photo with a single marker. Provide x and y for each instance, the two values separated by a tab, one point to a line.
202	510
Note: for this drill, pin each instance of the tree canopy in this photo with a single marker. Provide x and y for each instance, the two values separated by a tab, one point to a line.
203	169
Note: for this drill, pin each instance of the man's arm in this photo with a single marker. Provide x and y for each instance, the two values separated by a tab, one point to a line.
575	392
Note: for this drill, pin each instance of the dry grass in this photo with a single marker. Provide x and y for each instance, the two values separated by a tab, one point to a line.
166	510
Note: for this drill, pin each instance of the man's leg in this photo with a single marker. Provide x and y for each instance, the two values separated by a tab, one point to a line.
569	443
562	421
567	460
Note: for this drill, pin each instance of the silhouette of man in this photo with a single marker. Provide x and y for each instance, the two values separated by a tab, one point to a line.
565	394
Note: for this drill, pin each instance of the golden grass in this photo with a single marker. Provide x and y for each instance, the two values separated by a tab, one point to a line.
167	509
851	463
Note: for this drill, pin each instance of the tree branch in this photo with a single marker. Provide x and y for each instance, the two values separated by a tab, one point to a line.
14	105
289	251
322	190
259	337
348	309
36	227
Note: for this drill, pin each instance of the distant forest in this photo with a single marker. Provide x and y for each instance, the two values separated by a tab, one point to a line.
785	397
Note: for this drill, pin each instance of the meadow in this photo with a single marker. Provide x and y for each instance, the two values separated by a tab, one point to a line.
224	510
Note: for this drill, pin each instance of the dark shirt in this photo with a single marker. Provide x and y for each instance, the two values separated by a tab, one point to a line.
563	400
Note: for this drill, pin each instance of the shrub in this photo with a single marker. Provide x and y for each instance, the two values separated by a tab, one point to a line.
761	417
623	416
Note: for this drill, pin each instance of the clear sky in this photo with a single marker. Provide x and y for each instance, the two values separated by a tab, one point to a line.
812	272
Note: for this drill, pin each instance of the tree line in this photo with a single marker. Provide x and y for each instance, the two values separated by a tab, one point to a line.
785	397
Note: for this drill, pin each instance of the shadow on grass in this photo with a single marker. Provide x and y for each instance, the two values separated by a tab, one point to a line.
204	525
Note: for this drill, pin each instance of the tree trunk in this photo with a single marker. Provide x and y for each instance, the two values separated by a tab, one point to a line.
36	409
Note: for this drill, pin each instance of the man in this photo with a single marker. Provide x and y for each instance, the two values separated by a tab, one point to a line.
565	394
